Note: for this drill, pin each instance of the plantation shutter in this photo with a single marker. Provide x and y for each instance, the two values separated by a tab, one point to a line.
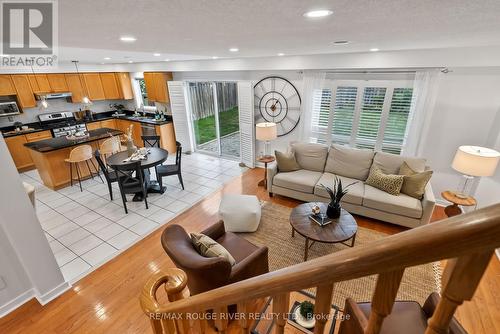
343	114
322	99
247	134
180	116
370	117
396	126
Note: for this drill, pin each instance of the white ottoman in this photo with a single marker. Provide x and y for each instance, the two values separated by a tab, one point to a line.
240	213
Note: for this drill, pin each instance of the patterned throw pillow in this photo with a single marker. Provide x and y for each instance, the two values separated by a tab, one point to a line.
208	247
389	183
286	161
414	183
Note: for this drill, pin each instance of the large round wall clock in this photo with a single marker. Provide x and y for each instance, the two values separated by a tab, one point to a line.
277	100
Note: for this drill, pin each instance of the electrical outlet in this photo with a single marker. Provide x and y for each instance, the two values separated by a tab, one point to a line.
3	284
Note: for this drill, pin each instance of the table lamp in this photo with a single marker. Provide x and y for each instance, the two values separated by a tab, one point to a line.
474	161
266	132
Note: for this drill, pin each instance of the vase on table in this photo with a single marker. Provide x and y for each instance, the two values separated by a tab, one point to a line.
333	210
131	148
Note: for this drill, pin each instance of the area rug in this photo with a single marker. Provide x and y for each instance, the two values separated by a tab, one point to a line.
284	250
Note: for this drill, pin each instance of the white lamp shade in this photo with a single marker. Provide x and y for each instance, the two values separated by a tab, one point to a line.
475	160
266	131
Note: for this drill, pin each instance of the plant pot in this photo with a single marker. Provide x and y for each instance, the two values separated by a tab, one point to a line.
333	211
306	323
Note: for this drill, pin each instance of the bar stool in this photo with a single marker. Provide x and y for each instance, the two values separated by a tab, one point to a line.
79	154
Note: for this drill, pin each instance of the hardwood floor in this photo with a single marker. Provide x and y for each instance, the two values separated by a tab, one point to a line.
106	301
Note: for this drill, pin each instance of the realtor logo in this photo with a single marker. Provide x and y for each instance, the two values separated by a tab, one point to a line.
29	30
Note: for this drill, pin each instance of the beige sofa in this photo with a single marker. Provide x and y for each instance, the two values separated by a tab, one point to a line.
320	164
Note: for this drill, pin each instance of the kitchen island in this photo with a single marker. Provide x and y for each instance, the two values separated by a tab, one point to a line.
48	156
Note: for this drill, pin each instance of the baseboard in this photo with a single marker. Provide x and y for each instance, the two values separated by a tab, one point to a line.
16	302
54	293
441	202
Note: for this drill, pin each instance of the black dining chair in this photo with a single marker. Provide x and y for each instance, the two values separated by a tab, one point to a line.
109	173
168	170
129	184
151	141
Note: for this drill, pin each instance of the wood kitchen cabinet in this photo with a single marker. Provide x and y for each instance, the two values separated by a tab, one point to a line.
108	123
39	83
75	86
167	137
20	154
25	95
125	85
93	126
36	136
6	85
156	86
110	86
57	82
123	124
94	86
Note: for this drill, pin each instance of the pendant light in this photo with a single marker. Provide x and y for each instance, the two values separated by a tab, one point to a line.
44	104
85	98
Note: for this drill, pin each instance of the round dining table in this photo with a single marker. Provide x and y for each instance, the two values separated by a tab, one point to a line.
156	156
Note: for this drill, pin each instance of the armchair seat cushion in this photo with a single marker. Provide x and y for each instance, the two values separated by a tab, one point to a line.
237	246
302	180
401	204
355	192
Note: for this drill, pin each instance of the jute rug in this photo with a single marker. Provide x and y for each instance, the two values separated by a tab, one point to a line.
275	233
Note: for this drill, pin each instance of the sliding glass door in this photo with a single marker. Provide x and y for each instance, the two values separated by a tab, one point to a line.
215	118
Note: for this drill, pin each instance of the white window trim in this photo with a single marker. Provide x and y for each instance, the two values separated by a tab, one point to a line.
138	95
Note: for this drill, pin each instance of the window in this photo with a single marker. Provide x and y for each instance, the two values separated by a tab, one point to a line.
365	114
142	95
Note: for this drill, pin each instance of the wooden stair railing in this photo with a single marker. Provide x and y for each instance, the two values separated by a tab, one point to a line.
469	240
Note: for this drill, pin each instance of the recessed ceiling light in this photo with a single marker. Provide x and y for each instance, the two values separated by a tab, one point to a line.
234	49
167	60
130	61
107	58
281	54
318	13
215	57
156	54
128	39
342	42
374	49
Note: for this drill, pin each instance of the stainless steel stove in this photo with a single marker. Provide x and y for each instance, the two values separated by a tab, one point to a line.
62	123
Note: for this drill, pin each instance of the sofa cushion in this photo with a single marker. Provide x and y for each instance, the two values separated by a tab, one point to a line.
390	163
350	162
310	156
402	204
355	192
301	180
286	161
389	183
414	183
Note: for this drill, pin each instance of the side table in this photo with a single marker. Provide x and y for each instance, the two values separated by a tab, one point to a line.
454	209
266	160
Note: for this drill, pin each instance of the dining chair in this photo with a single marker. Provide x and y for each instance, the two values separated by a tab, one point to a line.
82	153
109	173
151	141
172	169
110	146
129	184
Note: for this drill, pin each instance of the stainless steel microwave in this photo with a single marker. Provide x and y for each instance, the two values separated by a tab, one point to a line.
9	108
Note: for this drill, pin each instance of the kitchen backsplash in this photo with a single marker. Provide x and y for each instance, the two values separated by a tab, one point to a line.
29	115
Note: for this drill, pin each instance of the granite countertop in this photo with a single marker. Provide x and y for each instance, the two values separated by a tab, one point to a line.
52	144
8	131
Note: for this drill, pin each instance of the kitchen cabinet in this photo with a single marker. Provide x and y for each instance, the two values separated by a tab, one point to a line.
167	137
57	83
156	86
150	86
94	86
123	124
110	86
20	154
39	83
25	95
108	123
6	85
93	126
75	84
36	136
125	86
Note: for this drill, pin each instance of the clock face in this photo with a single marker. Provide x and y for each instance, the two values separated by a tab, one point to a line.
277	100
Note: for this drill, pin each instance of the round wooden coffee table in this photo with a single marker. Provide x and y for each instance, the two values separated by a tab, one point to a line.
338	231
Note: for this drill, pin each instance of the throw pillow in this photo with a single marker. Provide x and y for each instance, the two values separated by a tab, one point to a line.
414	183
390	183
208	247
286	161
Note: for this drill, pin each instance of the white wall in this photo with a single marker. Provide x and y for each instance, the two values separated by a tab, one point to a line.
27	265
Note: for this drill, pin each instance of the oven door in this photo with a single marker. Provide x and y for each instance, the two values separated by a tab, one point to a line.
9	109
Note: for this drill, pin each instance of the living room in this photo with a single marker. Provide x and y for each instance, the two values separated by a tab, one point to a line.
330	172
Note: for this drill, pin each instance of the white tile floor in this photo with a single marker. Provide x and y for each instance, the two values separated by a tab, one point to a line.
85	228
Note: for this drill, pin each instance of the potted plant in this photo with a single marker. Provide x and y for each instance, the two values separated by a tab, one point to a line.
336	193
304	314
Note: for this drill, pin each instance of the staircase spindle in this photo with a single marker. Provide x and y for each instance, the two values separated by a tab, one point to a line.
281	303
221	320
460	280
323	306
383	299
243	310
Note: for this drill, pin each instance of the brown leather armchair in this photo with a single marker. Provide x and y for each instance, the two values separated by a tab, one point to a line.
406	317
209	273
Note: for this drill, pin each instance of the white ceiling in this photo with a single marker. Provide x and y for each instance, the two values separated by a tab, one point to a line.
199	29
